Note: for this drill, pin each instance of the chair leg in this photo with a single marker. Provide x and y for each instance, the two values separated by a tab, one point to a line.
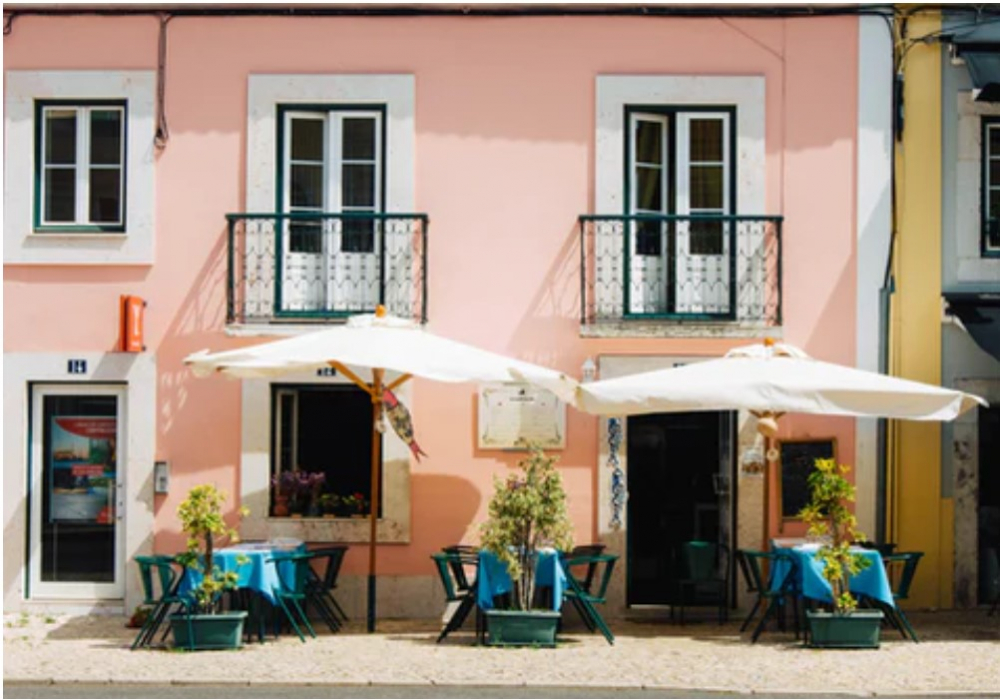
305	620
599	621
336	606
771	611
906	623
291	619
753	611
146	624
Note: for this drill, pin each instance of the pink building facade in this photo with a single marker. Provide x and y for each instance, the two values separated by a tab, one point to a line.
440	165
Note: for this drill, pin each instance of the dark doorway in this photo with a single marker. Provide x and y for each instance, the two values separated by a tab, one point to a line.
989	504
679	474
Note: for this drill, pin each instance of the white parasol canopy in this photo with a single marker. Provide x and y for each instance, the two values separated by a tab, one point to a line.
771	379
379	343
388	343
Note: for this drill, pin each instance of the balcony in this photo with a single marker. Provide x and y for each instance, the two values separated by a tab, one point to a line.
319	267
714	272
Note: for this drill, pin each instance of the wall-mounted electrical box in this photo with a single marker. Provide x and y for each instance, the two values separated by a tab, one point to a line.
161	477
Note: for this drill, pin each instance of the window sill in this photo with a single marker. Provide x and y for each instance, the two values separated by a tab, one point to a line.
342	530
672	328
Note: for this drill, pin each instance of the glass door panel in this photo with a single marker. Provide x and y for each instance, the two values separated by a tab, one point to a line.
76	493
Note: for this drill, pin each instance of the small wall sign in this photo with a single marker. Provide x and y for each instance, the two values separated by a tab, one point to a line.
76	367
512	413
326	372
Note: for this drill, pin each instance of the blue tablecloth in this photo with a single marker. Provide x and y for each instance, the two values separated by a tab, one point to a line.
256	573
494	580
872	582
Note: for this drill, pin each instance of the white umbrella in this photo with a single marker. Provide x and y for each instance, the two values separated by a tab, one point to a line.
768	380
380	343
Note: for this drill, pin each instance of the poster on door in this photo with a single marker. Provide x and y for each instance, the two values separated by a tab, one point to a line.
82	467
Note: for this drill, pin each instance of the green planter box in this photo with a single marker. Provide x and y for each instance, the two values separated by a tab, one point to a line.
522	627
220	631
856	630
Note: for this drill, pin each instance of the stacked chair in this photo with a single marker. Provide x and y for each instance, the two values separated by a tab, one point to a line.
907	563
320	585
291	593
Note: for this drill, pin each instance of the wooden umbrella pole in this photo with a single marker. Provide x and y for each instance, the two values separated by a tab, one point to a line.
376	394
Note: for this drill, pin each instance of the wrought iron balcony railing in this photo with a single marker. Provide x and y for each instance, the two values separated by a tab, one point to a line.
317	266
699	267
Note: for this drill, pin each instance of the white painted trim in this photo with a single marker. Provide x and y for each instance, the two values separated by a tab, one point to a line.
874	182
971	266
138	373
21	245
255	471
266	92
615	92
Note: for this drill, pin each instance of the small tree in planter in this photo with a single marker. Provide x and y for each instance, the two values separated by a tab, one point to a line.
830	519
527	512
201	519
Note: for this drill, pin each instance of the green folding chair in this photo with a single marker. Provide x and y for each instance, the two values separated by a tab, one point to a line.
584	599
320	586
771	598
291	593
459	592
895	615
704	579
166	579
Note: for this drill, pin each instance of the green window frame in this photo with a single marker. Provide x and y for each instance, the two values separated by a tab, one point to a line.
990	188
80	166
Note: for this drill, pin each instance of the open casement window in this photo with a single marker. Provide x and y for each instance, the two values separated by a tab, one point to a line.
332	163
680	174
327	429
991	187
80	167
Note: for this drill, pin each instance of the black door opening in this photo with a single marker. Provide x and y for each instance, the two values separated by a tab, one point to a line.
679	470
989	504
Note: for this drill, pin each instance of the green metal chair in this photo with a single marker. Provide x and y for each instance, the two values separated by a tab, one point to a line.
582	597
320	586
895	615
704	579
771	598
291	594
459	592
166	578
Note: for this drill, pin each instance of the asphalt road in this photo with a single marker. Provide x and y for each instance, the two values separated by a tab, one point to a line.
121	690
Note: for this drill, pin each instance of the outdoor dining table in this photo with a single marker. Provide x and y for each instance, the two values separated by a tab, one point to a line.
494	580
250	562
809	582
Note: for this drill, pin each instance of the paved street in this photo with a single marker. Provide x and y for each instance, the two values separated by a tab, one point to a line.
121	690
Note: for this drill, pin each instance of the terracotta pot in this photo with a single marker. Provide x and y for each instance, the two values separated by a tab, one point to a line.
280	509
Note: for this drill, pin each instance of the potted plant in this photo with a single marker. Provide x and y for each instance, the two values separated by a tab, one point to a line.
204	626
830	519
355	505
527	512
329	503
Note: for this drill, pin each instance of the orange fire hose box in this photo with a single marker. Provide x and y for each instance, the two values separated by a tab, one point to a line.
132	310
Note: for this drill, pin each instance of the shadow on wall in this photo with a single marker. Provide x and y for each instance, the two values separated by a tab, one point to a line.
554	312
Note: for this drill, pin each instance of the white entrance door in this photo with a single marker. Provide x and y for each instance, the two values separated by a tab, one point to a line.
76	490
332	164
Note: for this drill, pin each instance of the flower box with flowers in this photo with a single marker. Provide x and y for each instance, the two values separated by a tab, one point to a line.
297	493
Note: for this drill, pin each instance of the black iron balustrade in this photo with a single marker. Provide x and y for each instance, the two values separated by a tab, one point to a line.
698	267
306	266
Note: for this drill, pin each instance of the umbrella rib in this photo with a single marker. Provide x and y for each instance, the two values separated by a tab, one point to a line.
399	380
351	375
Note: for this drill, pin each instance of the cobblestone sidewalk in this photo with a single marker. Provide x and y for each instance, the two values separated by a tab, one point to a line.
959	653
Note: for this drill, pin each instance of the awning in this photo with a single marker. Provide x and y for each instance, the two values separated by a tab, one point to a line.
980	315
980	49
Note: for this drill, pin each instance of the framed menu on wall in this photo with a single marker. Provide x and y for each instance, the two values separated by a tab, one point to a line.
514	414
797	460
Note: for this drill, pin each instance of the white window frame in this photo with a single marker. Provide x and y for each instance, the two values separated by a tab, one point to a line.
22	243
82	167
988	186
